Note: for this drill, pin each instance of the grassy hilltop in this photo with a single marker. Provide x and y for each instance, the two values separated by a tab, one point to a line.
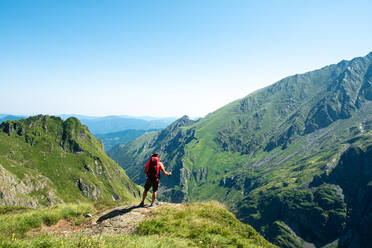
45	160
188	225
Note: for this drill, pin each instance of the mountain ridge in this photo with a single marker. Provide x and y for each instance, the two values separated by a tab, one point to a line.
268	147
45	160
109	124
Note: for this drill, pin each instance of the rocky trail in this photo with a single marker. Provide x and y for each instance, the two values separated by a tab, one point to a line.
119	220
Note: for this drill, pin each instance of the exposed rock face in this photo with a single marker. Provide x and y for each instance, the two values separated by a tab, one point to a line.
15	192
318	217
284	138
200	174
337	209
353	174
90	191
174	195
230	182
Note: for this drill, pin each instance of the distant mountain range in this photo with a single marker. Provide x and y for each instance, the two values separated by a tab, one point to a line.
110	124
293	159
6	117
110	140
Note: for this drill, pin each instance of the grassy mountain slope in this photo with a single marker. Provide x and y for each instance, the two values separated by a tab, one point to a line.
45	160
206	224
261	154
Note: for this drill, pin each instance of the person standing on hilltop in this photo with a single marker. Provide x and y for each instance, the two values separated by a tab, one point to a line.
152	171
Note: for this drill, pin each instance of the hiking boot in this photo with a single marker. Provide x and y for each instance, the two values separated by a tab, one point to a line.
142	204
153	204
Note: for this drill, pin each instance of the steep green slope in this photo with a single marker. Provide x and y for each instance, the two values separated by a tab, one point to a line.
45	160
260	154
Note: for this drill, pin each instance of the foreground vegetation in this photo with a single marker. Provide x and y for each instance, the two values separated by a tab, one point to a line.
188	225
202	225
15	223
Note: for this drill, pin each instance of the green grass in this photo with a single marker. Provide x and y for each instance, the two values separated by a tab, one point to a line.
11	209
205	224
189	225
17	224
105	241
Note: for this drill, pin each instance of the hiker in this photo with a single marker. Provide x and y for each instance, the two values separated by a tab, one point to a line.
152	171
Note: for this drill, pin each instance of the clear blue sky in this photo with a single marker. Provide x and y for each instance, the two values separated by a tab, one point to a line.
165	58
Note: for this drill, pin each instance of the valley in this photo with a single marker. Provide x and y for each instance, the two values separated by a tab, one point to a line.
263	156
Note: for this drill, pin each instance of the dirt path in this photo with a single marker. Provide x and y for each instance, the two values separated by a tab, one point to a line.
124	219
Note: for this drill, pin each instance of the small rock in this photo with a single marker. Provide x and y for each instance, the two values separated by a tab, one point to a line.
88	215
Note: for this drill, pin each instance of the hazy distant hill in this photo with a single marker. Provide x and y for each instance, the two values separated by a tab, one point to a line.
110	140
45	160
110	124
5	117
293	159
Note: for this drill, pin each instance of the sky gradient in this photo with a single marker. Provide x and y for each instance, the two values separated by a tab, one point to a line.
165	58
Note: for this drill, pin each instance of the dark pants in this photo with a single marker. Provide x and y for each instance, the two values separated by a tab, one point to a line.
152	182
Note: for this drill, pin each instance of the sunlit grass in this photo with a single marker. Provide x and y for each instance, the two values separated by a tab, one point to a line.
19	223
204	224
188	225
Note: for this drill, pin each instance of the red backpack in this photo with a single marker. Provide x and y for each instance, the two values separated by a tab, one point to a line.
154	168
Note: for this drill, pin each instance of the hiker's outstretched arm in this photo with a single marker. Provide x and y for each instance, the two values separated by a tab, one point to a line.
163	170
